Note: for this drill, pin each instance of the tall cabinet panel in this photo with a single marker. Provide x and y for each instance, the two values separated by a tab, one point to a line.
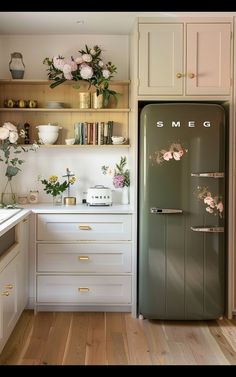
208	59
160	58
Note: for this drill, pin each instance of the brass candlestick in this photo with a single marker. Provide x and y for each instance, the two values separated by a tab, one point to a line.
69	200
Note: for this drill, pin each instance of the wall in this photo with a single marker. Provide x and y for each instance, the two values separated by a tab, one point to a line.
86	163
35	48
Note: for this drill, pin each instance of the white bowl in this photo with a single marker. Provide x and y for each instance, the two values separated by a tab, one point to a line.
70	141
55	105
118	140
48	138
48	128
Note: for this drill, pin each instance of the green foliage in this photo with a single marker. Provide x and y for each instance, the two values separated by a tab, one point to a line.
54	188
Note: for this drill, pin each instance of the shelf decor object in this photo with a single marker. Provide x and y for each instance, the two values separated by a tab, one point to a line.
16	65
89	66
69	200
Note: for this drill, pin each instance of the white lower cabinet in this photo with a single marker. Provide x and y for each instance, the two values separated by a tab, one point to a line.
8	300
84	289
84	259
13	281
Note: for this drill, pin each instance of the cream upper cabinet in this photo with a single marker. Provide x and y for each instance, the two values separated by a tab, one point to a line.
170	64
161	58
208	59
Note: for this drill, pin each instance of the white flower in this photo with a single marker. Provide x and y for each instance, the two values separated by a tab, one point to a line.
58	62
86	72
4	133
79	60
100	63
66	68
87	58
10	126
106	73
13	137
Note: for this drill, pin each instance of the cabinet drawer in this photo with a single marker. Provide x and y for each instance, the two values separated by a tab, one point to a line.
75	227
84	289
107	258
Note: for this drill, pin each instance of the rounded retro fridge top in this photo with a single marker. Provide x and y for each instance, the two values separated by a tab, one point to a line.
182	211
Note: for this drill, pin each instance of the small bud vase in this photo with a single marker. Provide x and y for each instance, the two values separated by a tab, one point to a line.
125	195
57	200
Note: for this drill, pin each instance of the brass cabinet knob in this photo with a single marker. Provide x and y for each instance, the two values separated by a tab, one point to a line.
8	286
5	293
191	75
179	75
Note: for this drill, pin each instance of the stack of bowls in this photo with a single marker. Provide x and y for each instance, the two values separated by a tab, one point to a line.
48	134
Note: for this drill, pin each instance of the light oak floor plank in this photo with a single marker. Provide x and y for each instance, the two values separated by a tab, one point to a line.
96	340
117	339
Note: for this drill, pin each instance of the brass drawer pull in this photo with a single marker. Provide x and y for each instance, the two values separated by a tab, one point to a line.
85	227
83	257
5	293
8	286
83	289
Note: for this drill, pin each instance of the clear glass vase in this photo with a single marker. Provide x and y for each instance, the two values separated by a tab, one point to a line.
57	200
8	197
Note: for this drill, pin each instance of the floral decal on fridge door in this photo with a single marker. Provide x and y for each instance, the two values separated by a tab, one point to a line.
213	203
174	152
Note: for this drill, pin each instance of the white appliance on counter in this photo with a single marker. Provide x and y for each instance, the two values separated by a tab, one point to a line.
99	195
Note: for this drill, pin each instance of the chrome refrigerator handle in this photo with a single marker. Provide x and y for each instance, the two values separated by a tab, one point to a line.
164	211
212	229
210	175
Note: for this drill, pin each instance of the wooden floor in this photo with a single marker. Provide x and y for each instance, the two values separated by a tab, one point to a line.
117	338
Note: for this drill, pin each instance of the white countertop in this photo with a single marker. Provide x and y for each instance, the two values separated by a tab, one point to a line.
49	208
79	208
8	224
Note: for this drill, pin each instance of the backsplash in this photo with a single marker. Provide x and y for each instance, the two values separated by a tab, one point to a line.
85	164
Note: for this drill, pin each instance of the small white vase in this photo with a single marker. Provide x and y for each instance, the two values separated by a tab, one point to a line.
125	195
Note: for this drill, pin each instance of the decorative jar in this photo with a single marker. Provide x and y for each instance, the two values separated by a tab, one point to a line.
33	197
97	101
84	100
16	65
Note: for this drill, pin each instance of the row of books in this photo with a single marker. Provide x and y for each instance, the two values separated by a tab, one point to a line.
97	133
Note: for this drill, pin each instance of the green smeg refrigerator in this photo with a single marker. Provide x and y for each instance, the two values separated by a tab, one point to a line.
182	205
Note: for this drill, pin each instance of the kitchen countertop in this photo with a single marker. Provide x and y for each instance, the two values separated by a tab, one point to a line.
79	208
12	221
49	208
